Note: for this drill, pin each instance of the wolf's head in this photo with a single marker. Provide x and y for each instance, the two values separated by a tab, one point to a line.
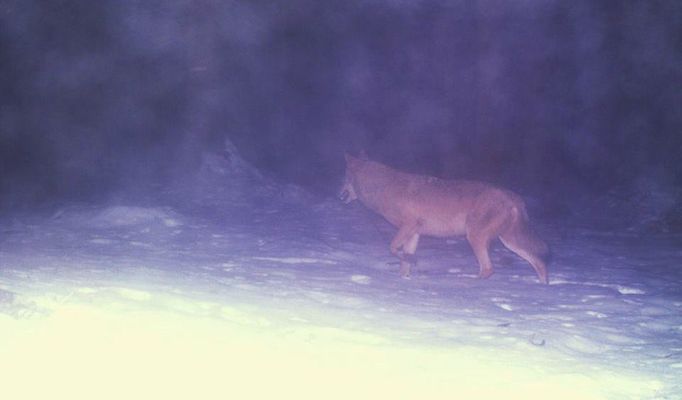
347	192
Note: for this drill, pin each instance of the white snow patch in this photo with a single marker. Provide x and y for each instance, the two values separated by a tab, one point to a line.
361	279
118	216
653	311
133	294
584	345
295	260
626	290
629	290
101	241
241	317
596	314
319	296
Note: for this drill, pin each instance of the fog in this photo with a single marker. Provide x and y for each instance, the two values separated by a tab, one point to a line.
548	98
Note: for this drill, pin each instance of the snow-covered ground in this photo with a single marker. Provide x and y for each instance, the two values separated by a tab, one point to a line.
234	287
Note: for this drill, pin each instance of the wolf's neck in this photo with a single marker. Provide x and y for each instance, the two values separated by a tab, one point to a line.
378	184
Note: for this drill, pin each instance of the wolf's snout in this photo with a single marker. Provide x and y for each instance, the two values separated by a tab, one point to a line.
343	196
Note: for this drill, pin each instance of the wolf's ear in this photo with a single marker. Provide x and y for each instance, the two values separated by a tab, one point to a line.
349	158
362	156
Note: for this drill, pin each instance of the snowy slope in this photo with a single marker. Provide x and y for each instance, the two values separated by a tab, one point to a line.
232	286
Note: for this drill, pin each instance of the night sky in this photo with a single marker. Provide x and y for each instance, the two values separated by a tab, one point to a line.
543	97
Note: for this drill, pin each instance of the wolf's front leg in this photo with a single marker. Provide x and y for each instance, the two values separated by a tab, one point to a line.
408	257
403	246
407	261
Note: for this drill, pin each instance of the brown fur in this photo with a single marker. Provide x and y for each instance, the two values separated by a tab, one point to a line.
423	205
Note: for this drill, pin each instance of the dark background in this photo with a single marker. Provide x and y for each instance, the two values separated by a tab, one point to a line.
544	97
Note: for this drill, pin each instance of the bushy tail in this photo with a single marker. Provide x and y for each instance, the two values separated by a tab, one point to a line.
526	237
522	240
536	245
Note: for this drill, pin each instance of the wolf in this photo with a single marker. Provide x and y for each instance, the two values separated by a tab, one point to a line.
424	205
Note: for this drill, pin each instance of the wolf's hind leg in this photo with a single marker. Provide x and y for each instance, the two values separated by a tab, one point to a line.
479	244
482	227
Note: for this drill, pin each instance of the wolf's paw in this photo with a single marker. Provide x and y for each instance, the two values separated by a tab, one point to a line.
485	274
405	270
